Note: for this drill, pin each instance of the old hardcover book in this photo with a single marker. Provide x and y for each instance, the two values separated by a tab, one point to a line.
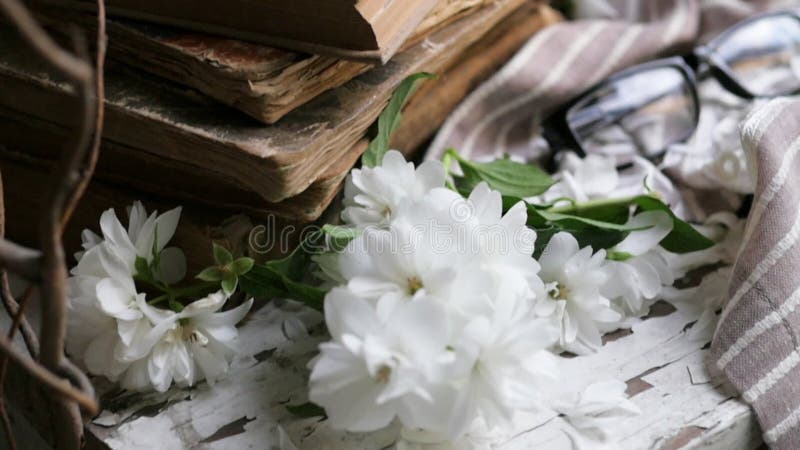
209	154
264	82
424	113
358	29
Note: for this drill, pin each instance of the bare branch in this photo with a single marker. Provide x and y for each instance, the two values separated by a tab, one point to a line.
16	310
7	297
12	442
71	372
74	68
23	261
99	89
71	178
19	316
44	376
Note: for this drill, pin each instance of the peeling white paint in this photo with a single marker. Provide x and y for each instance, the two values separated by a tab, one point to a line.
253	398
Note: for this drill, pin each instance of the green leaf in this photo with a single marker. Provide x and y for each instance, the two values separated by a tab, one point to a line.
221	255
339	236
469	179
175	305
284	278
389	120
306	410
558	217
211	274
266	282
242	265
229	283
612	214
683	238
142	268
156	255
263	282
504	175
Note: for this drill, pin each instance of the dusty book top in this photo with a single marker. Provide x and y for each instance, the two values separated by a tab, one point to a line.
356	29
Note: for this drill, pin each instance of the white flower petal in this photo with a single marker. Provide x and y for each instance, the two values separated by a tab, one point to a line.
558	250
166	224
345	312
116	235
430	174
659	225
136	219
115	300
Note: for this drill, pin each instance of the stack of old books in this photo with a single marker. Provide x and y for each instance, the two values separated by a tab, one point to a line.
245	112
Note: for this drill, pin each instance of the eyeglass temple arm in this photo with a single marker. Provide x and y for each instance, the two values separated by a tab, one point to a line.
701	61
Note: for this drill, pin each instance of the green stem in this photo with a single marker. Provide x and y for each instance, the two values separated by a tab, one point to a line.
152	283
185	291
447	162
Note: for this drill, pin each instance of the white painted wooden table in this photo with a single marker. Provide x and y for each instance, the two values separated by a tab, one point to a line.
662	361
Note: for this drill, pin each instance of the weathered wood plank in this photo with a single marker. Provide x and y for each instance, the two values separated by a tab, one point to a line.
683	408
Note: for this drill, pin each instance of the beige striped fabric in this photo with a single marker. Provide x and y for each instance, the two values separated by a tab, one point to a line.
756	344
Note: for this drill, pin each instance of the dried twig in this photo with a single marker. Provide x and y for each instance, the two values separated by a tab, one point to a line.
73	67
13	308
7	297
94	150
46	377
72	175
21	260
18	318
12	443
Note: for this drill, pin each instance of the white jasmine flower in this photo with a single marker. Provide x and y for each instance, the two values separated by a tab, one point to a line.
143	235
506	242
391	266
372	195
195	344
102	297
573	278
502	363
374	370
92	336
594	176
597	177
106	313
636	282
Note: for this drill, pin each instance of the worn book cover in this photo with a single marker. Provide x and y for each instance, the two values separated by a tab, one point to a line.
262	81
180	146
358	29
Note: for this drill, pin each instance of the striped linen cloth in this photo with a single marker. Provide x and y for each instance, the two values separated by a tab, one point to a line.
757	343
756	346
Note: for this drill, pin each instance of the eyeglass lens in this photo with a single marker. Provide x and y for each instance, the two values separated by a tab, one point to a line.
763	55
643	113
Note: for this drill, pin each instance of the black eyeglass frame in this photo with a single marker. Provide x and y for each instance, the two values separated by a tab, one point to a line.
556	129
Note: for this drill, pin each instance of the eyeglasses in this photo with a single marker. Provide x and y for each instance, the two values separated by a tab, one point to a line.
645	109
